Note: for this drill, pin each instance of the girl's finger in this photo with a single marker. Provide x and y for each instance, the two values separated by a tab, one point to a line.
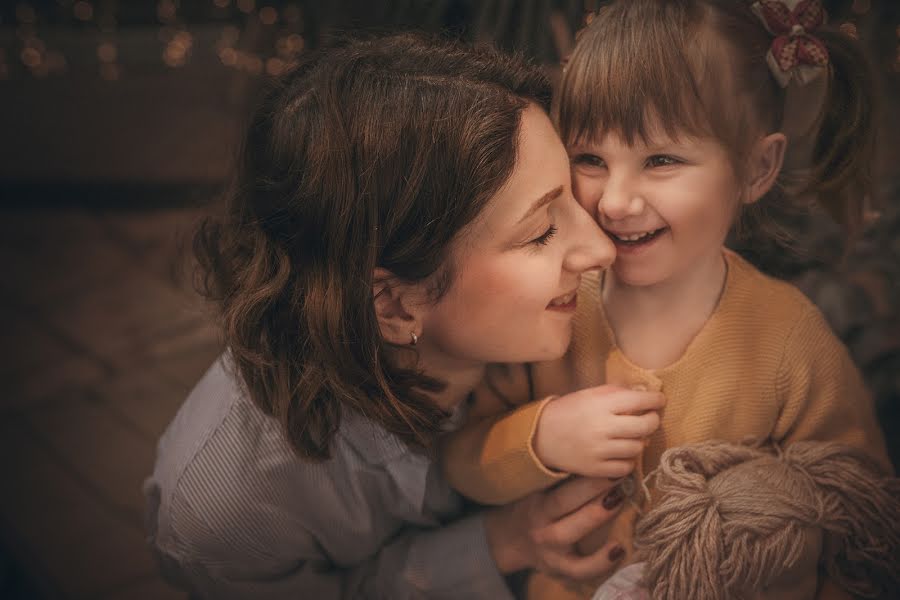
634	426
624	448
635	402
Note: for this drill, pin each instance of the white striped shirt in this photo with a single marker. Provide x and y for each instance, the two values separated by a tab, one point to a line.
234	513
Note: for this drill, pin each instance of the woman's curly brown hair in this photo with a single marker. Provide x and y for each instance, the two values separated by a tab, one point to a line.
376	153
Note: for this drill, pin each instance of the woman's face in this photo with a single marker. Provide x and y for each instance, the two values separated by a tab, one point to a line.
517	267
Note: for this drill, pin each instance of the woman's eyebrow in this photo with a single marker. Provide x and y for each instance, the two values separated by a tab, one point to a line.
542	202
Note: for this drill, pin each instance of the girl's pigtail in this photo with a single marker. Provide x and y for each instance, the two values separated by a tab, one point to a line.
844	151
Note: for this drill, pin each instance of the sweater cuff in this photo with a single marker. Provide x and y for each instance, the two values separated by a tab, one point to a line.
538	409
517	461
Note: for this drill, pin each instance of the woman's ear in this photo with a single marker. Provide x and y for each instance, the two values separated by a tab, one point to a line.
766	160
398	308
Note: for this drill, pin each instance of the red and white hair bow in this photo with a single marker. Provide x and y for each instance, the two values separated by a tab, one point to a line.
796	54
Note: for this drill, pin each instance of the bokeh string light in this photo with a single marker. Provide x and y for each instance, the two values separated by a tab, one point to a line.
273	48
257	36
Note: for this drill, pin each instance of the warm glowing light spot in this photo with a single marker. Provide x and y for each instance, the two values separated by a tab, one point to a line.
107	52
228	56
268	15
31	57
850	30
275	67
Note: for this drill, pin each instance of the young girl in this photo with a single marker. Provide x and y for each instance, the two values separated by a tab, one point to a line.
677	116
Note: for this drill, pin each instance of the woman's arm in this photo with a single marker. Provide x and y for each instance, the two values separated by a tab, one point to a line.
465	559
450	562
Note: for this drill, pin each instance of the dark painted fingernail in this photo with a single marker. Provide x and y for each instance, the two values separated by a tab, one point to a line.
616	554
613	498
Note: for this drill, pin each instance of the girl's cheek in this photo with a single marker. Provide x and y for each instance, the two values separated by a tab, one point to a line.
587	193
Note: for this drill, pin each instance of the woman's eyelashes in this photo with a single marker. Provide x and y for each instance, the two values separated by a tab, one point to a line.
544	238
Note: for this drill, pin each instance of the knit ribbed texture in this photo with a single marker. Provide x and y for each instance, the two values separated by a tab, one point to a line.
765	365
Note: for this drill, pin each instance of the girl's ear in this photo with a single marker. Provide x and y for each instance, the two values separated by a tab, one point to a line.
766	160
398	308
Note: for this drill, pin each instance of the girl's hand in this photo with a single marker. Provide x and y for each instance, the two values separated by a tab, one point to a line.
540	530
597	432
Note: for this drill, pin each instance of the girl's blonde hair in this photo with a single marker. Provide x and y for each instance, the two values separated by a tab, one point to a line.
698	68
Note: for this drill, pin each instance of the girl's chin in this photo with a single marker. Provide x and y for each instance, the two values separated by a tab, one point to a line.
634	277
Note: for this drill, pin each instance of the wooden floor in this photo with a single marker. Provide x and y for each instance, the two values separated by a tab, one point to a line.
101	344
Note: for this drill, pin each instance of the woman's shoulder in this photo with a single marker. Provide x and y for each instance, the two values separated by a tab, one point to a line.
223	458
227	486
222	445
217	446
216	413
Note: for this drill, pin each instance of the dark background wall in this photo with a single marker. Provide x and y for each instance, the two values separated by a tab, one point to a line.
118	124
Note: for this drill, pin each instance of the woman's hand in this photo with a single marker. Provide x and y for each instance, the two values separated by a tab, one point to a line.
598	431
540	530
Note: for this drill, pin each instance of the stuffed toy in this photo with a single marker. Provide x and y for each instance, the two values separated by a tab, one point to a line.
752	522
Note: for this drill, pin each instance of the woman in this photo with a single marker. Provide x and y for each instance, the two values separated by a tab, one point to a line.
402	216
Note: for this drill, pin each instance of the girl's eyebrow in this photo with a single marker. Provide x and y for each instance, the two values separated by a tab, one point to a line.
542	202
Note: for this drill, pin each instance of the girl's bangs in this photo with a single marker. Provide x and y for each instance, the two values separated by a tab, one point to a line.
640	82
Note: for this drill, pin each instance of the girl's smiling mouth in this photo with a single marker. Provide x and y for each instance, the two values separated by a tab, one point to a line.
564	303
634	239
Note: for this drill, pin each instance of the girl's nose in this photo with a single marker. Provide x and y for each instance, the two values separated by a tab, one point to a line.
618	201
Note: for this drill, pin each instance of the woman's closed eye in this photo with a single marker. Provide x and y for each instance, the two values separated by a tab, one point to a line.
544	238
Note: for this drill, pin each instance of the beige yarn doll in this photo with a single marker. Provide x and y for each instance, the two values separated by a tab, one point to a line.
750	522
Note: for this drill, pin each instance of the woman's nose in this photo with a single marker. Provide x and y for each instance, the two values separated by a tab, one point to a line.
592	249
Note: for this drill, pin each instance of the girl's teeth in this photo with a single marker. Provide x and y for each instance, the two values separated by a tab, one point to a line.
563	301
633	237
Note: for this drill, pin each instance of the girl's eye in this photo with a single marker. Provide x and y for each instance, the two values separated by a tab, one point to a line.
662	160
588	160
544	238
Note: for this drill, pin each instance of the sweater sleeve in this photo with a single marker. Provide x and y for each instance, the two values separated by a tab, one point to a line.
491	459
823	394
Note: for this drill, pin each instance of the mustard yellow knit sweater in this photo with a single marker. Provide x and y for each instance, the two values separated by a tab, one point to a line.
765	365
